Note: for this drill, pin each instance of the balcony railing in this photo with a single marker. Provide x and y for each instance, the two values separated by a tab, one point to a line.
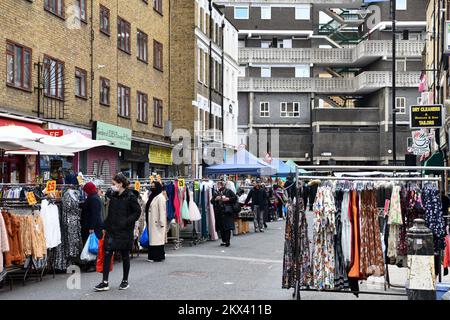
365	82
346	115
361	54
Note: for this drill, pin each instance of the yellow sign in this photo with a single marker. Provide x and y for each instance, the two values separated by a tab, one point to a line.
137	186
181	183
51	186
160	155
80	180
31	198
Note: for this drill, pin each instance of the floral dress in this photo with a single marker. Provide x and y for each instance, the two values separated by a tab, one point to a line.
395	221
434	218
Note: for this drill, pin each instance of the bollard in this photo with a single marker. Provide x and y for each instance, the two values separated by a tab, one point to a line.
421	280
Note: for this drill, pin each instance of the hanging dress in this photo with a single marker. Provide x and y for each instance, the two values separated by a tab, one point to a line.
203	206
434	219
394	222
346	232
340	275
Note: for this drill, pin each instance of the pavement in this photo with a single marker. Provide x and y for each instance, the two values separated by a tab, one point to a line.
250	269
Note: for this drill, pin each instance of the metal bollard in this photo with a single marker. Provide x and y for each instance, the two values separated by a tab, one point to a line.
421	280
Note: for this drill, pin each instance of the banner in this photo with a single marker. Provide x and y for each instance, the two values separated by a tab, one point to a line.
420	143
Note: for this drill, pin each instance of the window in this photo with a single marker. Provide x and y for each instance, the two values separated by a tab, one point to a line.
266	44
401	4
123	35
158	113
142	47
265	72
264	109
302	71
80	83
158	55
400	65
142	102
302	12
81	4
241	12
287	43
289	109
400	105
123	101
104	91
157	5
266	13
55	7
104	20
53	78
18	66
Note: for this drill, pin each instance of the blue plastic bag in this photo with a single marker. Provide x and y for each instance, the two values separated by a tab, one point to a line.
144	241
93	244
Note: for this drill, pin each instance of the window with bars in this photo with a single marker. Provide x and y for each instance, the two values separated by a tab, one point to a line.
264	109
123	101
158	6
81	4
158	113
53	78
289	109
18	66
142	46
104	91
400	105
55	7
104	20
158	55
80	83
123	35
142	107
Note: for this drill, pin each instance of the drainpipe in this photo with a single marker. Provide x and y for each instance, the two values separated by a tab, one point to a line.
92	61
223	80
210	64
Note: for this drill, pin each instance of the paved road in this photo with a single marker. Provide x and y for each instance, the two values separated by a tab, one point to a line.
250	269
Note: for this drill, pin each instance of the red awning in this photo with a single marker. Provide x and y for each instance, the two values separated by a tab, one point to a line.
32	126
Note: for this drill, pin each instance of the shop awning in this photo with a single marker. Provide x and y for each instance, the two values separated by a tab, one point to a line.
34	153
35	128
436	160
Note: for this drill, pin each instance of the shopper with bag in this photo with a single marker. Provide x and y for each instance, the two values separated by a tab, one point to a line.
91	218
156	217
123	212
224	201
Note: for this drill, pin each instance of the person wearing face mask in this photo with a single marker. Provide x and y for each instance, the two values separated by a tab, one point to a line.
123	212
156	218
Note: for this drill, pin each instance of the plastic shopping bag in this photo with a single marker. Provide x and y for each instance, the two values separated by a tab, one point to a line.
93	244
86	255
145	241
101	257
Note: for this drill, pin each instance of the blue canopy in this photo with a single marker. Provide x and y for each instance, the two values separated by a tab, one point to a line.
283	170
243	162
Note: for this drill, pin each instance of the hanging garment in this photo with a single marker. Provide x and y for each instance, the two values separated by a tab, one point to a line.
371	253
446	261
394	222
212	220
356	233
194	212
203	206
324	229
170	190
13	227
4	243
38	242
50	218
434	219
340	274
185	208
157	220
176	203
346	234
300	269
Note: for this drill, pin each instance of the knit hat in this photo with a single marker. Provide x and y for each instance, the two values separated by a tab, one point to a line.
90	188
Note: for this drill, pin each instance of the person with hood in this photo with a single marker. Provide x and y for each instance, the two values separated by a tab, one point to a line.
156	218
123	212
91	217
223	200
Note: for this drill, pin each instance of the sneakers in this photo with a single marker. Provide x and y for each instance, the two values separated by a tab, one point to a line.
103	286
223	244
261	230
124	285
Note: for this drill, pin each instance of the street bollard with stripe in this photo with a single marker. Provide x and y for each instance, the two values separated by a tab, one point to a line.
421	280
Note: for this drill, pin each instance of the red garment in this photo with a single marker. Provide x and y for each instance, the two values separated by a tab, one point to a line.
355	271
176	204
446	262
101	257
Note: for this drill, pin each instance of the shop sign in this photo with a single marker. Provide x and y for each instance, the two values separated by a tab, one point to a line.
138	152
420	143
160	155
426	116
68	129
55	132
31	198
118	136
51	186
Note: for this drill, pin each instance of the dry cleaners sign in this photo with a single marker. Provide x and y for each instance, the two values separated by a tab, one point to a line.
427	116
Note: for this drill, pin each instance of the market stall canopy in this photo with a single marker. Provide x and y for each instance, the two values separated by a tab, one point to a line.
283	170
74	142
243	162
293	165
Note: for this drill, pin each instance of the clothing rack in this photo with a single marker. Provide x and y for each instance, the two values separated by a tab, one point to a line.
297	253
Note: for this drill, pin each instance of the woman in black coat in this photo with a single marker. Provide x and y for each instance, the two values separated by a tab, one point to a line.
223	200
123	212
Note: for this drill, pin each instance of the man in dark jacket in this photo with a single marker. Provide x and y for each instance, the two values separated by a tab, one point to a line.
223	200
258	196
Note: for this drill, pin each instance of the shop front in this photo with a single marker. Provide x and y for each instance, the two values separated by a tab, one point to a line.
103	162
134	162
160	159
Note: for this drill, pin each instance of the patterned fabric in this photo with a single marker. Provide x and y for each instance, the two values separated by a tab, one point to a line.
371	252
346	237
433	215
340	275
324	229
394	221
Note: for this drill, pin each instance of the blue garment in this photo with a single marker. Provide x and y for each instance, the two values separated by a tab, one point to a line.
434	219
170	190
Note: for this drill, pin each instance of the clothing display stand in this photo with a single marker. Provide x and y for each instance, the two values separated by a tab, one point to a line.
297	252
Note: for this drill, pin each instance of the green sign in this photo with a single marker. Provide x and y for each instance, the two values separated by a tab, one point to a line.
118	136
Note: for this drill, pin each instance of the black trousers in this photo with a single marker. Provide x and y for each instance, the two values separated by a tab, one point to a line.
125	254
226	236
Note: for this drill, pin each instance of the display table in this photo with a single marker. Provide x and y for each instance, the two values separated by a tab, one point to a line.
242	222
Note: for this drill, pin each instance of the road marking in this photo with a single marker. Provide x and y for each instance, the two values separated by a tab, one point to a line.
224	257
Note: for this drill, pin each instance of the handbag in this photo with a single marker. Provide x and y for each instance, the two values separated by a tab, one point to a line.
93	244
145	241
101	257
